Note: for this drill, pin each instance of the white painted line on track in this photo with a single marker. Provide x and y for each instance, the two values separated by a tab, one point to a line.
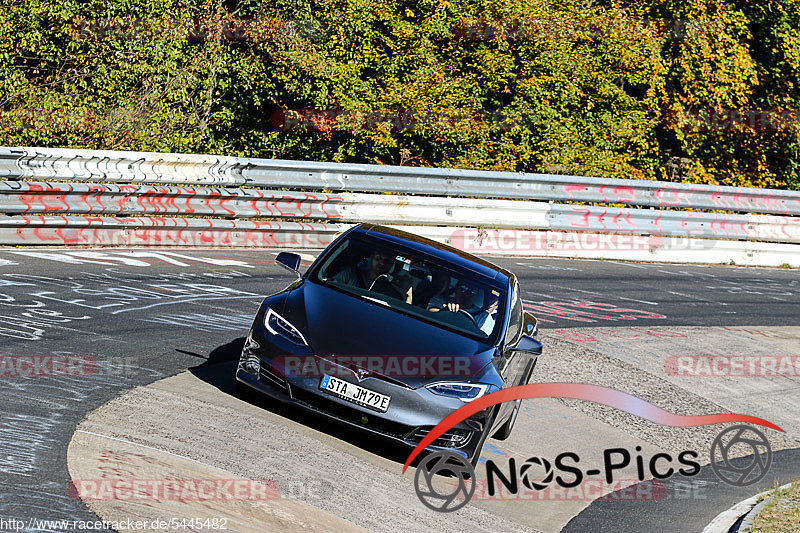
639	301
634	265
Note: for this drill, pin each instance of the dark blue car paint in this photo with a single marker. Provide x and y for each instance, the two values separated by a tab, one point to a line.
335	323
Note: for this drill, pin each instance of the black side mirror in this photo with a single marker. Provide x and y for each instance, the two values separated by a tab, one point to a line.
529	344
289	261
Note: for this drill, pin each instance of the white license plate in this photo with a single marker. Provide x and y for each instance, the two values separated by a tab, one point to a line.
355	393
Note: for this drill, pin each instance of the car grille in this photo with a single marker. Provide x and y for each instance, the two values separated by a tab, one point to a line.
387	427
455	438
268	375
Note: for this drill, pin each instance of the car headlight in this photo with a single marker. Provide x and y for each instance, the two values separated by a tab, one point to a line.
466	392
277	325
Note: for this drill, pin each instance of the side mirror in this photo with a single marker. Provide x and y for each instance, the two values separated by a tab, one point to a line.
530	326
529	344
289	261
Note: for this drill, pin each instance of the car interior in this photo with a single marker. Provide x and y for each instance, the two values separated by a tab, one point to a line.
419	272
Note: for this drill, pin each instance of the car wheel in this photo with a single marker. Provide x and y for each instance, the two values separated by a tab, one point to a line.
475	451
505	430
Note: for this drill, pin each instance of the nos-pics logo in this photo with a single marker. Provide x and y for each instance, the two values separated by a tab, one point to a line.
538	473
449	463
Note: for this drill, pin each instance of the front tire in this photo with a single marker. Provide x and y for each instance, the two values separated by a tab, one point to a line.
475	451
505	430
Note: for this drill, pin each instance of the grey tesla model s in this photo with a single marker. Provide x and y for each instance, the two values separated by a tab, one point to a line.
390	332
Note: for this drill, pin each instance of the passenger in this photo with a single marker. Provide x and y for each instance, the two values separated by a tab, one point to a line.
463	299
440	282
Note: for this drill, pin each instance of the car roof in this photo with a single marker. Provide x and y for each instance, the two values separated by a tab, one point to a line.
441	251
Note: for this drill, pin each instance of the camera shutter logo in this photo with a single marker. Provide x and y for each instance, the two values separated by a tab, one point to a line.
738	437
444	463
526	476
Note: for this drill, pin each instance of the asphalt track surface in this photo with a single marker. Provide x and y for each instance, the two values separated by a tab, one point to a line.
147	315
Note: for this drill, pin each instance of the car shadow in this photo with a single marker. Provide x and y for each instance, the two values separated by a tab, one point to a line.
219	369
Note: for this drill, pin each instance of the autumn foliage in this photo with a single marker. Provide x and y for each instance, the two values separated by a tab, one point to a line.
692	90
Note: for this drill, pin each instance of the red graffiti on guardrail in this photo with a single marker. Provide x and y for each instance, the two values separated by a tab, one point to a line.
688	195
163	231
102	199
691	224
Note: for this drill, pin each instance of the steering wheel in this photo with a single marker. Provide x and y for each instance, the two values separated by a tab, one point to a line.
384	276
470	317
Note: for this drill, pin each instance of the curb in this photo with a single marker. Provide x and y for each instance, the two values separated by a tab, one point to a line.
724	521
747	520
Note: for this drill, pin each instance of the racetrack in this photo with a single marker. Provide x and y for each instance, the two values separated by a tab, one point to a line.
165	328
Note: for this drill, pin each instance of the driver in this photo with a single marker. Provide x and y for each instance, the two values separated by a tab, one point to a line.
372	275
463	299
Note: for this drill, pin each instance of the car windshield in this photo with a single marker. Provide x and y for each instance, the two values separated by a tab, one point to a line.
420	286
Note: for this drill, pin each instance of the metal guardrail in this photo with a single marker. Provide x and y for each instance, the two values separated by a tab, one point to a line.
94	198
190	169
29	198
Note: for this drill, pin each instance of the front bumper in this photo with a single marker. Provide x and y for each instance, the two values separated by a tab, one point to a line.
409	417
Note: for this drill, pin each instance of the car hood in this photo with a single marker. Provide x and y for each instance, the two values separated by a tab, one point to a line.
339	325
